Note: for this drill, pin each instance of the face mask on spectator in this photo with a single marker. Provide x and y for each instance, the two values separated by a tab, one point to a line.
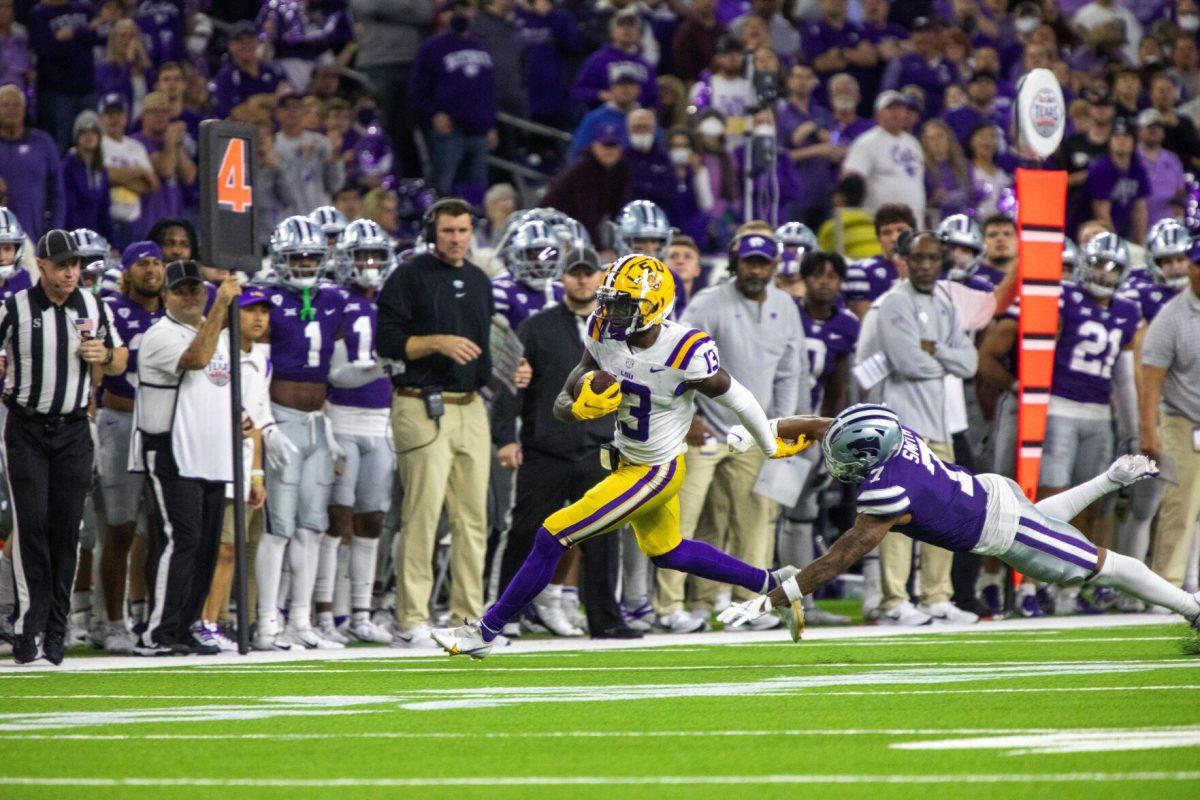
1026	25
681	156
711	127
764	130
844	104
641	141
1189	22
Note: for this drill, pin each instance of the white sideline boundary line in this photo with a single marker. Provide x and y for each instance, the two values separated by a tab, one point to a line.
606	780
859	635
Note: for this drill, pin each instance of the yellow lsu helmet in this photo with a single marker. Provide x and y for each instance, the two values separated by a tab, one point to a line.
637	292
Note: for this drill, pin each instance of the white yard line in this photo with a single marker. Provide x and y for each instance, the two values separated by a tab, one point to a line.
850	635
608	780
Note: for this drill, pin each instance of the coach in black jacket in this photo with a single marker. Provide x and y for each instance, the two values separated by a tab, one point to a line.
559	462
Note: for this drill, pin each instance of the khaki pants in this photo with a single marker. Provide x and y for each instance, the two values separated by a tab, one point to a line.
742	522
441	467
895	560
254	529
1180	504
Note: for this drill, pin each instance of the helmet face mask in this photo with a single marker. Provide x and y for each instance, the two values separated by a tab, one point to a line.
797	240
860	439
1105	262
364	255
1167	249
642	228
535	255
298	252
13	235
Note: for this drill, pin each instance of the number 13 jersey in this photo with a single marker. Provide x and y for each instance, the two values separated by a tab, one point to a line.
656	405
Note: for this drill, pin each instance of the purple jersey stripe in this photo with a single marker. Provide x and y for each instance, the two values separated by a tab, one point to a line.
679	345
1080	542
608	507
1036	544
692	351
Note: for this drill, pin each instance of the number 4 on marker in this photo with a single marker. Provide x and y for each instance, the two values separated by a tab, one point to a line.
232	190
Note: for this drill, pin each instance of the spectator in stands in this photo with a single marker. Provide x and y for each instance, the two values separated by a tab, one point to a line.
170	82
369	161
130	173
1107	21
496	24
947	174
695	41
498	206
301	35
1080	149
622	98
649	167
391	34
844	97
1168	183
835	44
16	59
1179	133
866	281
804	131
690	275
268	199
981	107
349	201
453	90
62	41
30	167
126	66
727	90
246	79
1185	66
1127	90
310	170
164	141
596	185
784	38
925	67
691	202
1119	186
988	178
672	102
722	172
889	159
164	27
382	207
850	230
85	181
550	36
623	51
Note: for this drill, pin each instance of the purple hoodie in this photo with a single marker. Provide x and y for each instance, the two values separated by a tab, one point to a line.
87	198
30	167
452	74
62	66
595	76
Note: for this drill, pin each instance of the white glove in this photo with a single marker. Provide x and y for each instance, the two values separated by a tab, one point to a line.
1130	469
335	447
739	614
280	449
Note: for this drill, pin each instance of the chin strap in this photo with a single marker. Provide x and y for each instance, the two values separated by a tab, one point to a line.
307	312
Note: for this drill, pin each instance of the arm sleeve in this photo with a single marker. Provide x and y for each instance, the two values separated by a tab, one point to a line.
587	82
508	405
741	402
346	374
902	344
395	315
420	84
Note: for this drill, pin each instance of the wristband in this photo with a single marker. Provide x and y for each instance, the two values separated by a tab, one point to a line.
257	473
257	480
791	588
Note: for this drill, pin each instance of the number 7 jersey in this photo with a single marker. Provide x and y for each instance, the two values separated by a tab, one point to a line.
656	404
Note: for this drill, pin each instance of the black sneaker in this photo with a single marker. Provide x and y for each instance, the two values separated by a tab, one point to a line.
25	649
618	632
148	647
52	647
199	648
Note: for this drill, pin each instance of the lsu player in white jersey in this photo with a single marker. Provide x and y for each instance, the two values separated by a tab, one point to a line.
658	365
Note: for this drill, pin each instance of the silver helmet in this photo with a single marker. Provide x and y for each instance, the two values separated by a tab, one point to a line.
364	255
92	246
1168	238
12	233
1105	262
331	221
860	438
535	254
1070	258
797	240
642	221
294	241
958	232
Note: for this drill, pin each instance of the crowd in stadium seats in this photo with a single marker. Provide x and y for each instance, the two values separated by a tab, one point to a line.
840	132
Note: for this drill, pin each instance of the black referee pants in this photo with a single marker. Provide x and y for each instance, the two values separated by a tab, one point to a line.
544	485
186	541
49	466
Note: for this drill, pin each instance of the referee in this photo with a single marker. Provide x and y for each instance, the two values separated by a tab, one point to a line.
53	333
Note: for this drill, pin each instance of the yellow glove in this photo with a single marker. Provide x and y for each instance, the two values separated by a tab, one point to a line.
786	449
590	405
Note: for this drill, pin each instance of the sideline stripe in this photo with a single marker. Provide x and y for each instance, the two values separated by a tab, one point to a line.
611	780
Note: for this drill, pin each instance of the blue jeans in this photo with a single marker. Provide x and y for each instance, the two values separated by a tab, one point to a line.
456	157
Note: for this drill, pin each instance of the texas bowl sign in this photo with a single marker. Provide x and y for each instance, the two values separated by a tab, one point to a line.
1041	112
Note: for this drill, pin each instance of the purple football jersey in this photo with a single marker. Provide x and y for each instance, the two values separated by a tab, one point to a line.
948	505
868	279
131	321
1150	298
1136	278
516	302
19	280
1090	338
359	324
301	348
986	274
827	341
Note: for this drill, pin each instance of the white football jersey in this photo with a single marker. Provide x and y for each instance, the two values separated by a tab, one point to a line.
656	405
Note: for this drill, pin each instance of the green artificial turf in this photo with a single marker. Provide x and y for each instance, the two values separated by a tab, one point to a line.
823	717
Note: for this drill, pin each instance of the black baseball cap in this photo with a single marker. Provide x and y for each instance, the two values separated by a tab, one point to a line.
1124	126
183	271
242	28
57	246
582	257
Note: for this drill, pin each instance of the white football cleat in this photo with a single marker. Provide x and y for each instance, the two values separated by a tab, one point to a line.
327	630
905	615
815	615
364	630
269	641
415	638
1132	468
309	639
550	613
946	613
722	601
465	640
678	621
1128	604
574	614
767	622
118	641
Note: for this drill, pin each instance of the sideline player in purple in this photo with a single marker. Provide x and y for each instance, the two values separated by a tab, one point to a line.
359	407
867	280
533	257
306	320
13	278
903	486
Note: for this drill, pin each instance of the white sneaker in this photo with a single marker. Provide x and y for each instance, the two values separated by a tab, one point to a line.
550	613
267	641
384	619
1128	604
512	630
722	601
118	640
574	614
767	622
905	615
417	638
1158	610
1132	468
465	640
327	630
704	616
678	621
77	629
815	615
946	613
223	642
309	639
364	630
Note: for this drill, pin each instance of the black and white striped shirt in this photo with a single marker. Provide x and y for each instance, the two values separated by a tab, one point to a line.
43	371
